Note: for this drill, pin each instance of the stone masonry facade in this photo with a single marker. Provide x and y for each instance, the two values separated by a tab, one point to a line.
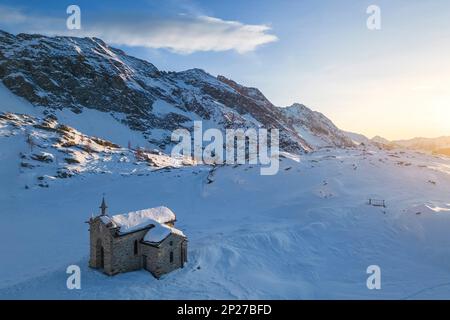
113	253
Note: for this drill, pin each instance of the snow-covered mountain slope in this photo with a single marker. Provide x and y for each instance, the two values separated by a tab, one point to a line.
315	128
67	73
306	232
380	140
46	150
358	138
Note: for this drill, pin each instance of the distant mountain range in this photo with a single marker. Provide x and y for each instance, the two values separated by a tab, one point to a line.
440	145
79	74
69	73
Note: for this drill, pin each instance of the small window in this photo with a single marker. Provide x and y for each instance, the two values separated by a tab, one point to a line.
135	247
171	243
171	256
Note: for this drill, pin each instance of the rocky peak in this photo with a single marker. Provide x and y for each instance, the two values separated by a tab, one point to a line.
249	92
72	73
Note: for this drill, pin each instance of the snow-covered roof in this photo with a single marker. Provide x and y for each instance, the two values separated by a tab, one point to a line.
105	219
136	220
160	232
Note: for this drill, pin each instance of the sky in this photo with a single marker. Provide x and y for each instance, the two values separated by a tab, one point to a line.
393	82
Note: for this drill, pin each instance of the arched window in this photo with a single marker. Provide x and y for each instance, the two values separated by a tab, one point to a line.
171	256
135	247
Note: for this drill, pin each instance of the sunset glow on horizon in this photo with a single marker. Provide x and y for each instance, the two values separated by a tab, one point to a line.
400	105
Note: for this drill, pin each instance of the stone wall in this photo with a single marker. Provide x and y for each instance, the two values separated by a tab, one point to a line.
151	255
100	237
119	254
158	258
124	259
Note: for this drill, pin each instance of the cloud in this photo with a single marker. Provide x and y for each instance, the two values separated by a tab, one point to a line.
187	34
15	20
182	33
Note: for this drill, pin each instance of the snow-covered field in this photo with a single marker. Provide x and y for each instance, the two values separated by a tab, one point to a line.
305	233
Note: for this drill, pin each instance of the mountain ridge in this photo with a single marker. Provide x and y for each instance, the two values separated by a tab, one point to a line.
76	73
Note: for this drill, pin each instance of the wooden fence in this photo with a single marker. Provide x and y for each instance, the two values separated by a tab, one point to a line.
377	203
